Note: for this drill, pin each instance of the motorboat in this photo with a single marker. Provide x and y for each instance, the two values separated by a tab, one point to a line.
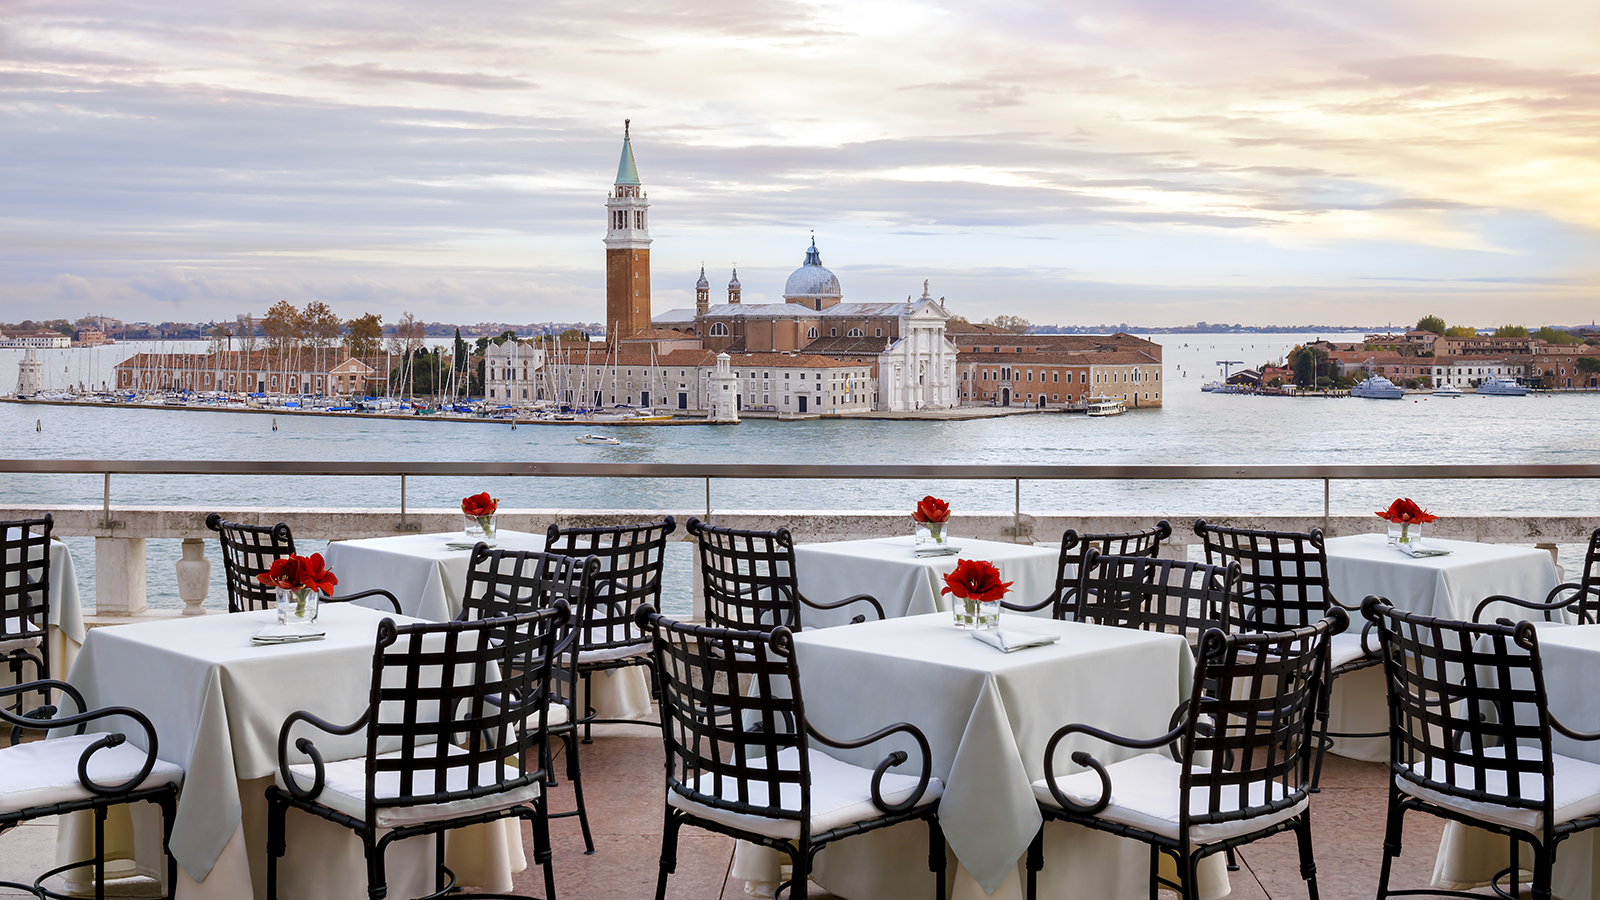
1501	386
1106	406
1447	390
1377	387
597	439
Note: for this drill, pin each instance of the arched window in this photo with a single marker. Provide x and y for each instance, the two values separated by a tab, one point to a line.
854	332
719	330
812	333
877	332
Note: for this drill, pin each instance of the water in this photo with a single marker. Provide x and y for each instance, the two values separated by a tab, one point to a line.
1192	428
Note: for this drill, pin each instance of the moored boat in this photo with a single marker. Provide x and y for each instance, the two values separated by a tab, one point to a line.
597	439
1377	387
1501	386
1106	406
1447	390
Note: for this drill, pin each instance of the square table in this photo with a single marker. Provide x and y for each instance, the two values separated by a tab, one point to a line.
1447	587
987	716
906	584
217	703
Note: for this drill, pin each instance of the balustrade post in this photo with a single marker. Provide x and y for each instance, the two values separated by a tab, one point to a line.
119	576
194	576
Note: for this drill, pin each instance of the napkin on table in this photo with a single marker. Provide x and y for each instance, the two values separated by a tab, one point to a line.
1009	640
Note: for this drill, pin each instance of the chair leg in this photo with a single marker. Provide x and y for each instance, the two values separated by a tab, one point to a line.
1035	863
1391	841
1308	860
541	846
575	775
100	852
1155	871
587	714
377	875
169	817
277	809
936	862
438	862
1543	864
800	867
1516	867
669	852
1324	717
1233	860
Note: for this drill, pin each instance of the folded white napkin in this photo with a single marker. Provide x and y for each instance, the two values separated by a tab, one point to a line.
287	634
937	550
1415	551
1009	640
466	545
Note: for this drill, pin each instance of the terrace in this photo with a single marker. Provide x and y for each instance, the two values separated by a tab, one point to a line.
622	768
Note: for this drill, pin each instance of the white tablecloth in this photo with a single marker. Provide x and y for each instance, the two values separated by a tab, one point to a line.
906	585
987	716
1469	857
217	704
430	581
1448	587
64	627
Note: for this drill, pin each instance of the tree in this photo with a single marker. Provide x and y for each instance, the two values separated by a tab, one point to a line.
574	336
1461	331
408	335
221	338
320	326
1310	364
1557	336
1013	324
1589	364
1511	331
362	334
283	327
461	351
1431	323
247	334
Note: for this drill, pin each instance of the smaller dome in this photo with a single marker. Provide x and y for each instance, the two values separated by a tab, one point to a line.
702	284
734	284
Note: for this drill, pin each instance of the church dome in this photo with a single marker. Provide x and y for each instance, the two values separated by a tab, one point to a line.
702	284
813	280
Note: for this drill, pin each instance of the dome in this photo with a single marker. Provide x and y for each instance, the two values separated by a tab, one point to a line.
734	284
812	280
702	284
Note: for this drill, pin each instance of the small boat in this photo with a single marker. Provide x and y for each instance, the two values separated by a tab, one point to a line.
1212	387
1501	386
1377	387
1106	406
597	439
1447	390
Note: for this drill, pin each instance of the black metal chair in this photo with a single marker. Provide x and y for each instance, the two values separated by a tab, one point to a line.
1470	740
82	770
25	601
1076	547
1583	604
249	550
631	561
1285	576
511	582
750	583
745	763
1153	594
1237	766
456	734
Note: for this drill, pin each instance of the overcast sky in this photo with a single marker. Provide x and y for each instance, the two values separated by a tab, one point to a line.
1149	161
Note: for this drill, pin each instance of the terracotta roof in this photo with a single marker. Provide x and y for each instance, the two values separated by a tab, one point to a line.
847	345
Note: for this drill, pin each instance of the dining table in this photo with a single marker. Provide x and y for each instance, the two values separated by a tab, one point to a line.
907	584
1449	586
987	716
217	702
427	573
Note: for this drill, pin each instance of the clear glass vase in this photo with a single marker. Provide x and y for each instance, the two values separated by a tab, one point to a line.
975	615
1409	533
297	607
480	527
931	533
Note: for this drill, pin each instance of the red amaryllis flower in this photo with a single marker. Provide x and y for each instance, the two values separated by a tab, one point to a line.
931	509
976	579
479	505
1405	512
293	573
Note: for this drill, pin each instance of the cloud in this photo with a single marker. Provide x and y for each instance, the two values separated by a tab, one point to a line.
372	72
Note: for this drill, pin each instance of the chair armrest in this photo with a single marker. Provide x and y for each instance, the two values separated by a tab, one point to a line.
375	592
1575	735
896	758
1527	604
859	598
304	745
28	687
38	721
1035	607
1083	758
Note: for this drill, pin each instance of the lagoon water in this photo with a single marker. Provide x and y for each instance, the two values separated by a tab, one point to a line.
1191	428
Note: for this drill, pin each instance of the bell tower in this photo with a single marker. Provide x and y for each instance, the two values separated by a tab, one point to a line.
627	250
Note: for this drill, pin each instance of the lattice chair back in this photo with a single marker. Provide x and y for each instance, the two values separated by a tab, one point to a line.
1285	573
723	742
1586	604
1153	594
1247	751
748	577
247	551
1468	713
631	561
510	582
25	597
458	709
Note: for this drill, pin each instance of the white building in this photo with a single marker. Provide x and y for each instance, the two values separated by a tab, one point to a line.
1466	371
511	372
43	340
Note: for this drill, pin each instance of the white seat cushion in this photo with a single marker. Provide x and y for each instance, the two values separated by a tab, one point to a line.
1346	648
345	789
1577	789
613	653
841	794
27	643
43	773
1144	794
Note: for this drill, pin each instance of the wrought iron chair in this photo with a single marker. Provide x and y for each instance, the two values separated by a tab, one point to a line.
631	560
1470	740
249	550
82	770
1076	547
456	734
1239	763
750	583
746	764
1584	604
25	601
1153	594
511	582
1285	576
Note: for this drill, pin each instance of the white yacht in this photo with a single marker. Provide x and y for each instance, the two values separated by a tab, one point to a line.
1501	386
1377	387
1447	390
1106	406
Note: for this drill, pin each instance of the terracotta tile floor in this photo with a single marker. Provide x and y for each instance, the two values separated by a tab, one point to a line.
622	781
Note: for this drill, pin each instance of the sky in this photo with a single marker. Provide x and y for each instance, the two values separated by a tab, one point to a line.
1156	162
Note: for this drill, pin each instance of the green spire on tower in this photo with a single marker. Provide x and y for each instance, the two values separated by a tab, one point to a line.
627	172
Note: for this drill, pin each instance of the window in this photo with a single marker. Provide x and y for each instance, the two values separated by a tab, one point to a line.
854	332
877	332
719	330
812	333
1030	377
833	332
638	218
